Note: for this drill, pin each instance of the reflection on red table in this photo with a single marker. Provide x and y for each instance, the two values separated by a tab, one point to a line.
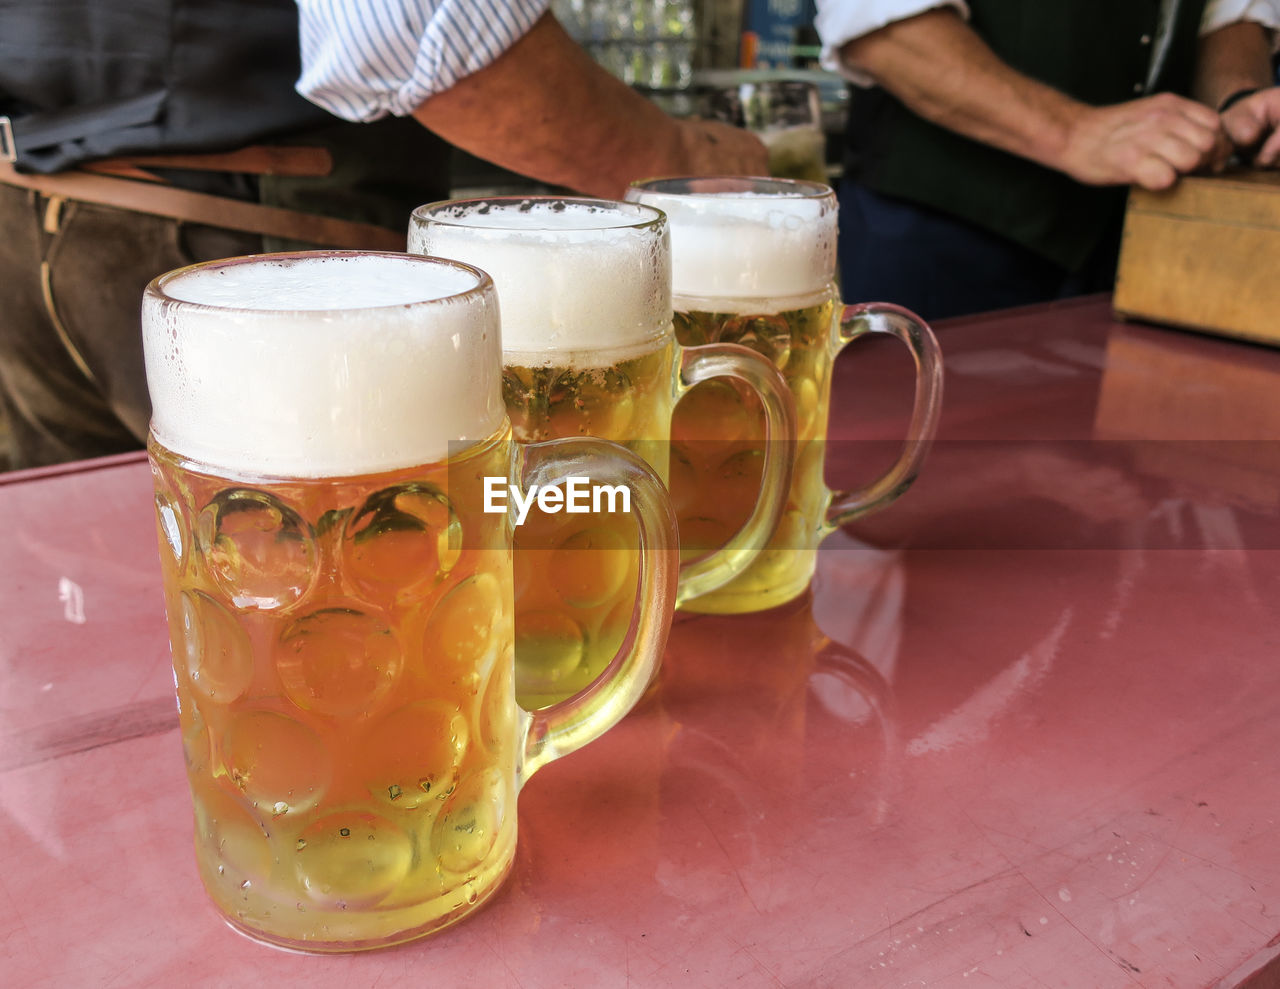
1024	730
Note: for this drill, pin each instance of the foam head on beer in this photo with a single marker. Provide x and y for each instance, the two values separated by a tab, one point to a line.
322	364
575	275
748	239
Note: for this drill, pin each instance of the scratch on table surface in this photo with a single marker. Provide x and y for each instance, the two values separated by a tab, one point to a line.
1164	855
1032	977
1052	905
125	975
759	965
932	904
502	960
737	874
1127	967
15	913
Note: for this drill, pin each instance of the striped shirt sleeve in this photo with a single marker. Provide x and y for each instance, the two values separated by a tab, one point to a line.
364	59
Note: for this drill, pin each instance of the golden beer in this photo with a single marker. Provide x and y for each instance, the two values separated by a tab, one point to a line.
589	349
628	400
576	576
343	662
325	435
796	153
753	263
717	433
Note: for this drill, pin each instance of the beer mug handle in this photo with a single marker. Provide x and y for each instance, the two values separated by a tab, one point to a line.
731	360
551	732
882	317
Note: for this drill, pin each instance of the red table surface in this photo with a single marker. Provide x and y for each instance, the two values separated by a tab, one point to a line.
1024	730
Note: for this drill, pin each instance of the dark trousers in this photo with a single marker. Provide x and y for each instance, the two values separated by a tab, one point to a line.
936	266
71	281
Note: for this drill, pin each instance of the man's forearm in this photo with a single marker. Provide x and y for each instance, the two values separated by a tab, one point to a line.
941	70
1233	58
944	72
545	109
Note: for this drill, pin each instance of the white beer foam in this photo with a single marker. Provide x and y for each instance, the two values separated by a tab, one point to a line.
575	277
321	365
743	245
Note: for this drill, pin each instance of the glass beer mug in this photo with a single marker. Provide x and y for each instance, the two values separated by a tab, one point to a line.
753	261
588	349
325	429
786	114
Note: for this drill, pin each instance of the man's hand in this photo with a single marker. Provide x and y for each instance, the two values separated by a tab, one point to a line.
708	147
1147	142
942	70
1232	59
1254	122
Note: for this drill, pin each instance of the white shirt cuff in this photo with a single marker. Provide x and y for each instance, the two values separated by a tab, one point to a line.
363	59
840	21
1219	13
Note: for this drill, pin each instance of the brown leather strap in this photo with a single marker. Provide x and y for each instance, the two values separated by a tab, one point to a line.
119	169
213	211
257	159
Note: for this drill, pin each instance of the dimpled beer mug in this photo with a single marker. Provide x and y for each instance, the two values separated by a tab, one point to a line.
753	262
588	349
325	429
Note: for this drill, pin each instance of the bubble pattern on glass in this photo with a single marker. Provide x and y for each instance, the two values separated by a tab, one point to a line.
342	658
576	575
717	435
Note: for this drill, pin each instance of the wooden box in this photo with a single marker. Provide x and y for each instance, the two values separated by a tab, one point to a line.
1205	255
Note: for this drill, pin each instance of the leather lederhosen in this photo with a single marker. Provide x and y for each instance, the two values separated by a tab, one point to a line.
150	134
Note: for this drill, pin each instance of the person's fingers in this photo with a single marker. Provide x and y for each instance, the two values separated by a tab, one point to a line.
1221	154
1183	152
1244	125
1195	113
1184	135
1192	123
1252	126
1148	142
1268	155
1154	173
